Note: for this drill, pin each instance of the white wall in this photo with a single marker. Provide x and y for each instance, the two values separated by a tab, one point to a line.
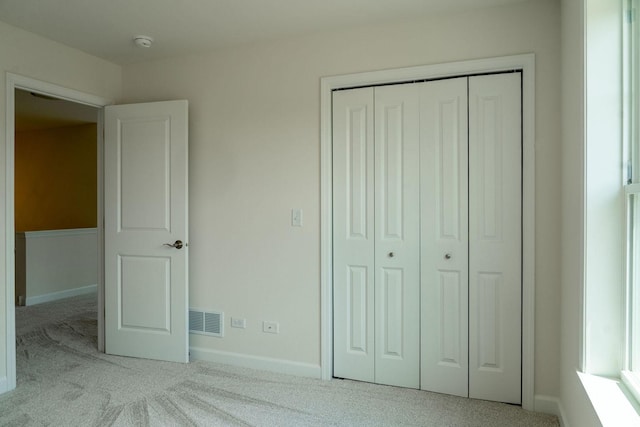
26	54
57	263
255	154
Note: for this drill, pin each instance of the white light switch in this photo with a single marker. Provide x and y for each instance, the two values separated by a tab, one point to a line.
296	217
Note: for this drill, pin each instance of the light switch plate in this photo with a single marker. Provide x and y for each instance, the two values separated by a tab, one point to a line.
296	217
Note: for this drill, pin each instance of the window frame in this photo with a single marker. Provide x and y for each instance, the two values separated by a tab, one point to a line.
630	374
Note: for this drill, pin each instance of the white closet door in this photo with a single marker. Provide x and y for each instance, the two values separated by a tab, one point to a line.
427	236
353	234
495	237
444	236
397	236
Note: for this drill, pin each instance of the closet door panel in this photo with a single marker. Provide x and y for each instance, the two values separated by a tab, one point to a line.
397	242
495	237
353	234
444	236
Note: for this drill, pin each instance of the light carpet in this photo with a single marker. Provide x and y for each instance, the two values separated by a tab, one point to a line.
64	381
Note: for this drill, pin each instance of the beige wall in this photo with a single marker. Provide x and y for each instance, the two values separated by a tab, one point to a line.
254	127
255	154
28	55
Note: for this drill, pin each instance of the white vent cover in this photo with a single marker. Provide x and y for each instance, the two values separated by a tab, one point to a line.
206	322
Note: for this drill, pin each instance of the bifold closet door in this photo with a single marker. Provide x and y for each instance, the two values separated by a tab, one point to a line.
376	235
495	237
471	231
397	236
444	235
353	235
427	216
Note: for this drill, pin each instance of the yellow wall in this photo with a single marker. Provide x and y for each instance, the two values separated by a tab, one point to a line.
56	178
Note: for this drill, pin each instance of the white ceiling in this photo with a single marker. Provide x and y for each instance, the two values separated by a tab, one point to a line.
105	28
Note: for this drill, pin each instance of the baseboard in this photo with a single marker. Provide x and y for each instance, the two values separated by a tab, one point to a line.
550	405
562	417
54	296
4	385
280	366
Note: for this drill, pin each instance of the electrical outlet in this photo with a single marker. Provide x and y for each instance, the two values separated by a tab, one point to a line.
238	323
270	327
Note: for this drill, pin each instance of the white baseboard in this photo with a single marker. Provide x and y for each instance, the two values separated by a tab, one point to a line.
280	366
54	296
563	416
4	385
549	405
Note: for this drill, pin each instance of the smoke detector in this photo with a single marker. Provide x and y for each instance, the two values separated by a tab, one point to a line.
143	41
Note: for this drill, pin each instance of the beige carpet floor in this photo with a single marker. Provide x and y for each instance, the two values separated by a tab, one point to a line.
64	381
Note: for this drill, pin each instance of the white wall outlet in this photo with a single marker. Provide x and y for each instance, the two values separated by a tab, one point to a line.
270	327
296	217
237	322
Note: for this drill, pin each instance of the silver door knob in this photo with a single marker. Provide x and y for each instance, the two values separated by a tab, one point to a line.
447	256
391	254
177	244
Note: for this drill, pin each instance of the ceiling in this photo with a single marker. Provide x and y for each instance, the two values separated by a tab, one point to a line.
35	112
105	28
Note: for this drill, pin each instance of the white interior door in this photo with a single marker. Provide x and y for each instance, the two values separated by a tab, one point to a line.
146	202
495	237
444	234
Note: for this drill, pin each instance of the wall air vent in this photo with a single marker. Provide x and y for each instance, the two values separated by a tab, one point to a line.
206	322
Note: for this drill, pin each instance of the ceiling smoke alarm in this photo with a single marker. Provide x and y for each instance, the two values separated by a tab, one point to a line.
143	41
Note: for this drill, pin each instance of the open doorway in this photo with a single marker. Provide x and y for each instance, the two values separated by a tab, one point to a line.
56	198
15	86
161	130
56	218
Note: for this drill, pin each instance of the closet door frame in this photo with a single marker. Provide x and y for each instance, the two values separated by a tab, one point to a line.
524	63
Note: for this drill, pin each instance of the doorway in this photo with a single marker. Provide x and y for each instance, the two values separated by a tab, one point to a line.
145	130
55	198
16	82
524	63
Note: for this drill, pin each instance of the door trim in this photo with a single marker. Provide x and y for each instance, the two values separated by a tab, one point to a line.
13	82
526	63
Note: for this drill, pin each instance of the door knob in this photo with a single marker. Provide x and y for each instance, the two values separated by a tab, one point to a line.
177	244
447	256
391	254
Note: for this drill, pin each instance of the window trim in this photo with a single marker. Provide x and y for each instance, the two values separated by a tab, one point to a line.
631	187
